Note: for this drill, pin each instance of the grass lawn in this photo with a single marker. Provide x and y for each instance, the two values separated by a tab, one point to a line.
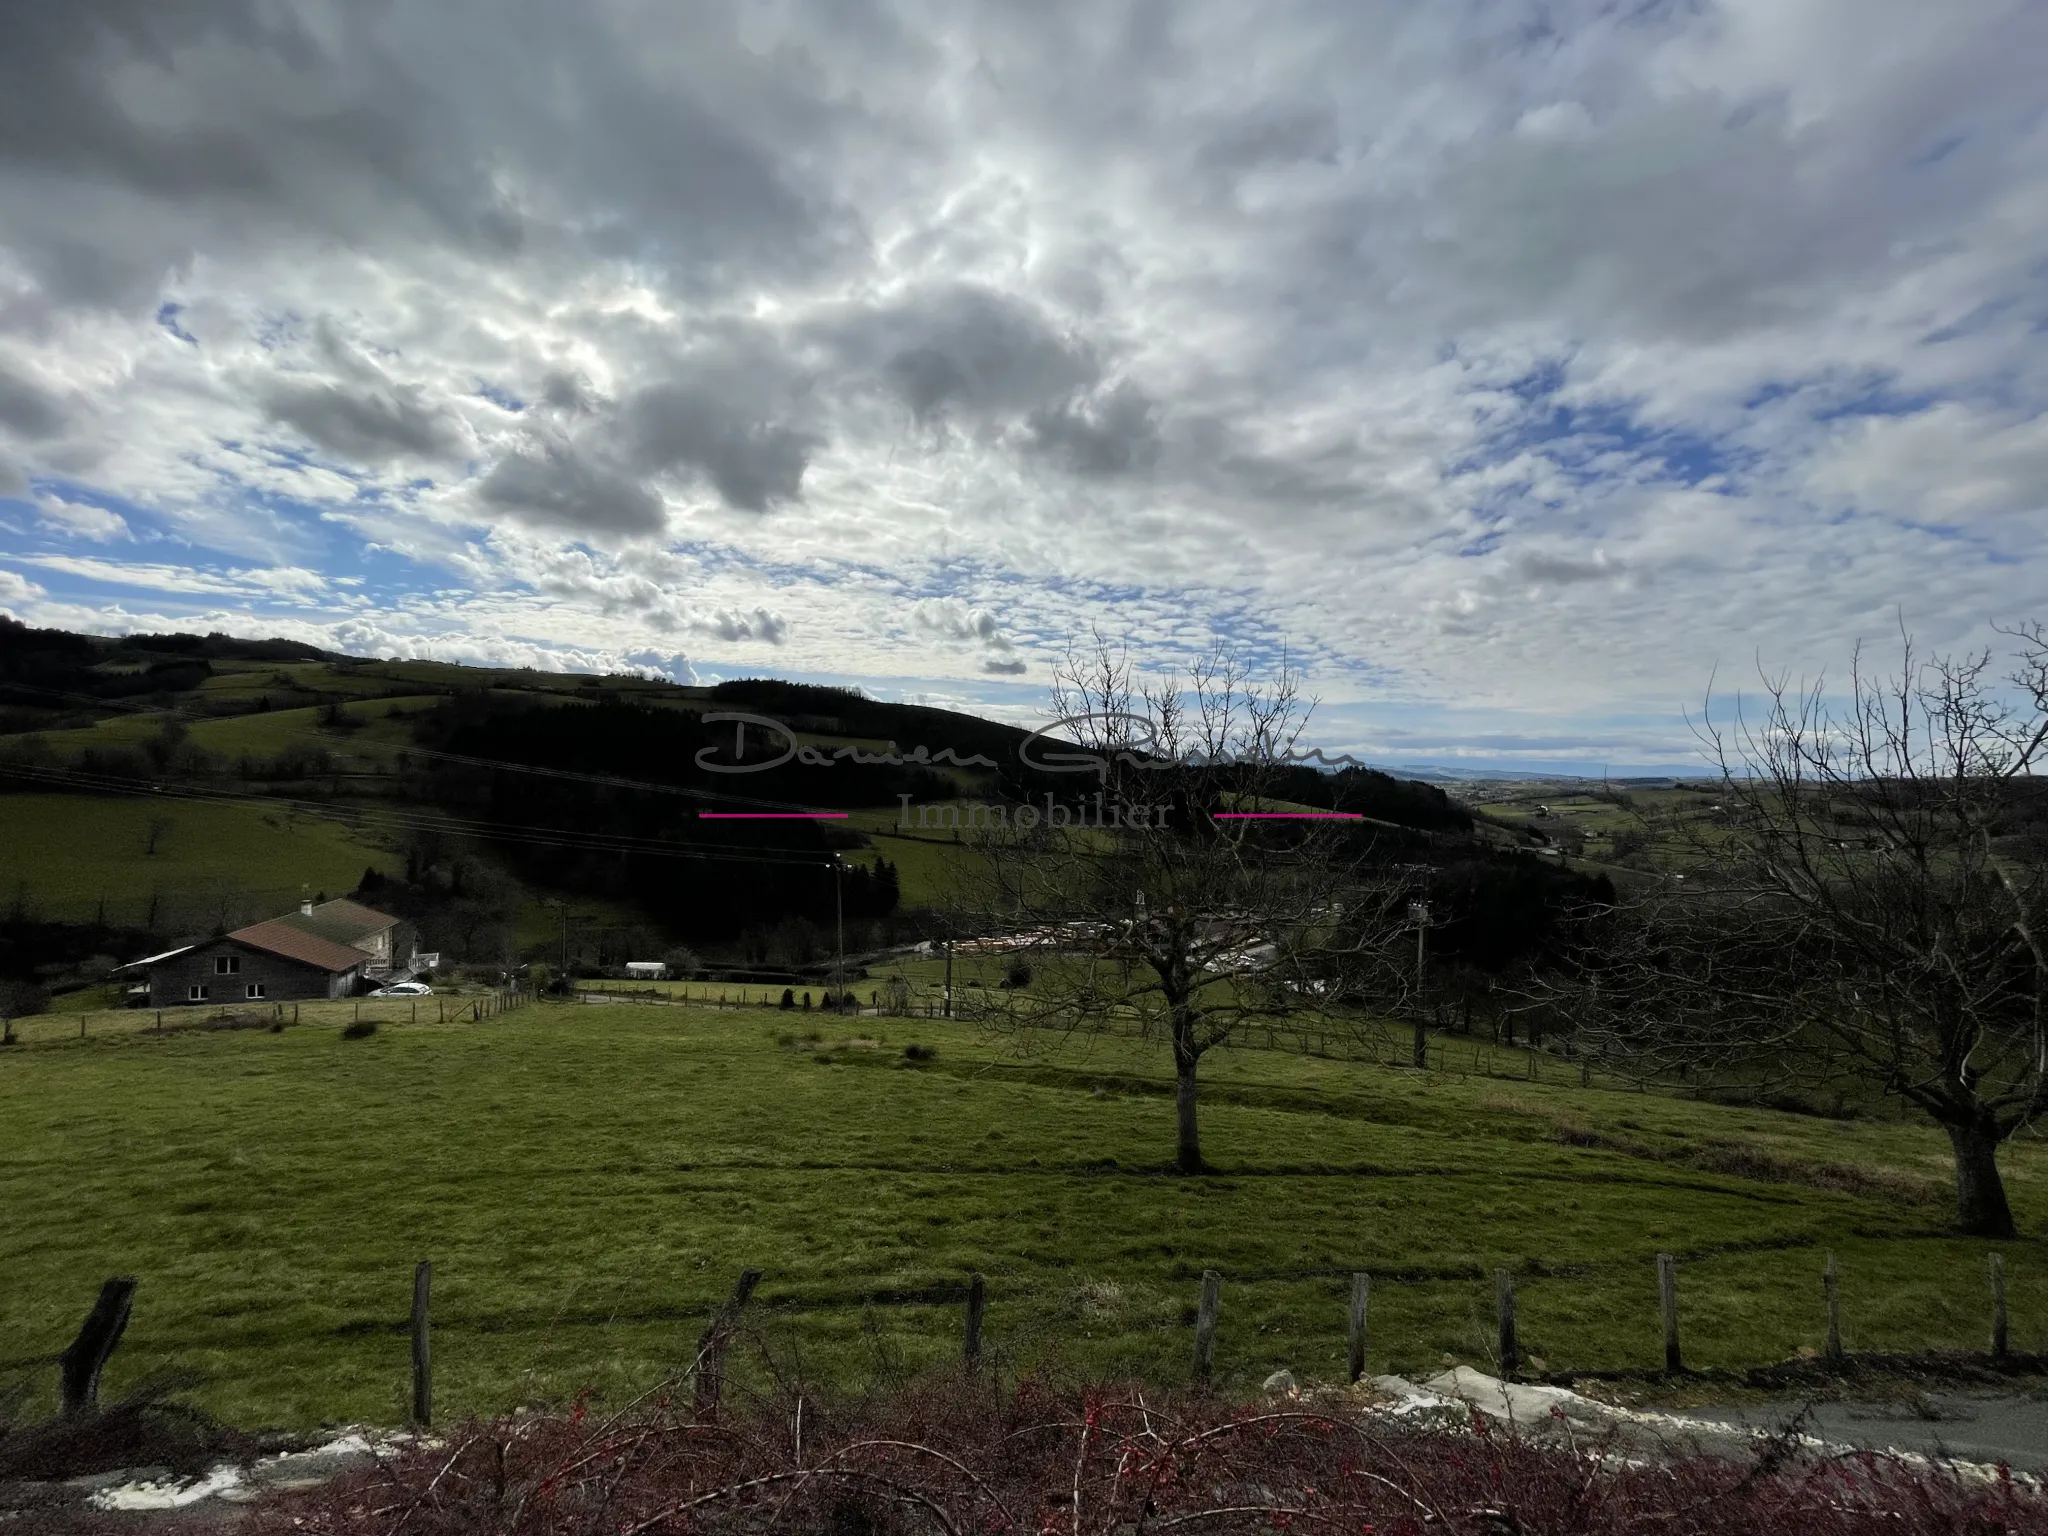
61	855
588	1181
384	731
929	863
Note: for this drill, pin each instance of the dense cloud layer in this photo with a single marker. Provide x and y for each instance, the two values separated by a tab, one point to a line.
1517	360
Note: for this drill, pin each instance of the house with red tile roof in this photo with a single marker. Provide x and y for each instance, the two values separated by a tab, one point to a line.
322	951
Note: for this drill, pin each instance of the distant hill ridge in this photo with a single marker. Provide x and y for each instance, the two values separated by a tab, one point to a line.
52	678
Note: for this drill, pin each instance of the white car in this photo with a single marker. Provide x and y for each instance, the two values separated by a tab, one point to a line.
404	989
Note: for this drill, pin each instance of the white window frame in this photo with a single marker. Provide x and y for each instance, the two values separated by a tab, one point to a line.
227	965
196	993
255	991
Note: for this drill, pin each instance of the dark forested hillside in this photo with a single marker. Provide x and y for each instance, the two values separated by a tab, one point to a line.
569	830
50	677
490	791
1381	796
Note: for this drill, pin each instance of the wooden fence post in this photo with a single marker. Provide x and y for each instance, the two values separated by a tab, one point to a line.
977	1302
1361	1292
716	1339
1829	1284
422	1357
1205	1324
1667	1302
1504	1307
1998	1335
82	1363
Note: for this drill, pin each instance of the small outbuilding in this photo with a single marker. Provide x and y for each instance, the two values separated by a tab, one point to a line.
646	970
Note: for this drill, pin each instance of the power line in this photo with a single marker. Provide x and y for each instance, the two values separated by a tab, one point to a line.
518	832
500	765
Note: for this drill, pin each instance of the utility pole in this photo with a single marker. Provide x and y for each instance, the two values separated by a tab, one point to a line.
839	922
562	911
1418	914
949	976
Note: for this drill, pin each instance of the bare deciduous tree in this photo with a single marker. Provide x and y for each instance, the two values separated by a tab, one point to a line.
1179	921
1866	906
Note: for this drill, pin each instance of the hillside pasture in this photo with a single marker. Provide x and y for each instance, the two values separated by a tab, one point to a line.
62	856
588	1181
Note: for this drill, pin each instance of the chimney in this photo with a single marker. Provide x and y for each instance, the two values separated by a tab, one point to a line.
305	909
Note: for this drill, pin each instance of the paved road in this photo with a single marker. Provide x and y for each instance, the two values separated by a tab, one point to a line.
1971	1426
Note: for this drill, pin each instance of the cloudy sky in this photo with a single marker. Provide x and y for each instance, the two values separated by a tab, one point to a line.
1511	365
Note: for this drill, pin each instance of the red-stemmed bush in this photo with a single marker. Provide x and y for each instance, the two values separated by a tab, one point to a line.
962	1458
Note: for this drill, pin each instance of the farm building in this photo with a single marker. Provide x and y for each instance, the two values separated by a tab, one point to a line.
320	951
387	941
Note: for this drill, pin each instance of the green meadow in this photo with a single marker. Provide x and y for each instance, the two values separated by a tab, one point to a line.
588	1181
61	856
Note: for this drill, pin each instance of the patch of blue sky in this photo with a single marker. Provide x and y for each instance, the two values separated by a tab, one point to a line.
1979	319
1539	383
1485	544
274	331
500	396
1591	442
1601	441
142	523
167	317
1414	734
1940	150
1946	532
715	559
1876	397
386	571
1019	701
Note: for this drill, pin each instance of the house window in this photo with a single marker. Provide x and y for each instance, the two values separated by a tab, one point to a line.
255	989
226	965
195	993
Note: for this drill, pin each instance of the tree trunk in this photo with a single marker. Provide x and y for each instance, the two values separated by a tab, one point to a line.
1981	1210
1188	1157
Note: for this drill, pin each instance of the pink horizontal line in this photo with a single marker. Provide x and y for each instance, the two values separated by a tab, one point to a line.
1290	816
768	815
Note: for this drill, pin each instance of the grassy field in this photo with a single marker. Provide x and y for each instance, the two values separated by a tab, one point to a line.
62	855
929	863
588	1181
94	1015
380	730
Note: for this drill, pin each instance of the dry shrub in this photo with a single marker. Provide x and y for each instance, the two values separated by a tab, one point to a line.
1744	1160
950	1456
147	1427
1751	1162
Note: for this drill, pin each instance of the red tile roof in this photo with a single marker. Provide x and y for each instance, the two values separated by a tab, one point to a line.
279	937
